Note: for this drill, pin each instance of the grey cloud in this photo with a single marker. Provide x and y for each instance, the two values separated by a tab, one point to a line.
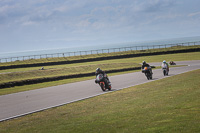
94	18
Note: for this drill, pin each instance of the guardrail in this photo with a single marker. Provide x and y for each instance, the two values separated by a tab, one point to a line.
98	51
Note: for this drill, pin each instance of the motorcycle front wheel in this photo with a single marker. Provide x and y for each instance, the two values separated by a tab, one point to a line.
147	75
164	72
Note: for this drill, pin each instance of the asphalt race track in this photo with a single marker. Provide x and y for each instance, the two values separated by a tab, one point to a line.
23	103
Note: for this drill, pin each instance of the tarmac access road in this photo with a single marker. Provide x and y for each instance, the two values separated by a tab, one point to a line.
23	103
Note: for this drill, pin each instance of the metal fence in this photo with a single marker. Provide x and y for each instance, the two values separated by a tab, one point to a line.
98	51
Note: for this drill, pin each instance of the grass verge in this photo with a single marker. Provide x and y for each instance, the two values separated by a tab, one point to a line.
117	55
155	58
166	105
19	74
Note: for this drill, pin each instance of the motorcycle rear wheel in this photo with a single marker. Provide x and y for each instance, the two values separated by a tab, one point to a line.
109	87
103	87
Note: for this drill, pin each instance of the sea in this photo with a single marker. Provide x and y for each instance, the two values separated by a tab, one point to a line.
99	47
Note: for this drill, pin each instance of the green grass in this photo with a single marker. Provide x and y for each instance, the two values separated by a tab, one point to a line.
166	105
52	72
91	66
27	73
45	60
155	58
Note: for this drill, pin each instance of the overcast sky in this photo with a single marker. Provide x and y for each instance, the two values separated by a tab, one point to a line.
48	24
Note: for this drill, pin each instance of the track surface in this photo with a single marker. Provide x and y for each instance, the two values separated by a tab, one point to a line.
22	103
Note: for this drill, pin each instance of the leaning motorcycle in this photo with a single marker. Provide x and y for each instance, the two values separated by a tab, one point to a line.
103	82
147	72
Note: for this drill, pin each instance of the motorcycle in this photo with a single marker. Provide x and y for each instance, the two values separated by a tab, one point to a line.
172	63
165	70
147	72
103	82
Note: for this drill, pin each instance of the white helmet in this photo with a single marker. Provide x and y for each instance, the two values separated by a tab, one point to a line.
164	61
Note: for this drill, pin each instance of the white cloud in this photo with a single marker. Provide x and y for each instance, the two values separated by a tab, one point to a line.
97	19
5	9
194	14
29	23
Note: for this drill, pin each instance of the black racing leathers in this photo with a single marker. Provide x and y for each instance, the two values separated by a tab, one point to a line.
146	65
104	74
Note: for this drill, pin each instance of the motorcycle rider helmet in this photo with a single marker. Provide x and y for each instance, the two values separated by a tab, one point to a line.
164	61
143	62
98	70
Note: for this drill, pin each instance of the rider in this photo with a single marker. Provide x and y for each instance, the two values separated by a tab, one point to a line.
144	64
99	71
165	63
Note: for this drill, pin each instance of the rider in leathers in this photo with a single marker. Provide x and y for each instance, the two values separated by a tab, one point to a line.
99	71
144	64
167	65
